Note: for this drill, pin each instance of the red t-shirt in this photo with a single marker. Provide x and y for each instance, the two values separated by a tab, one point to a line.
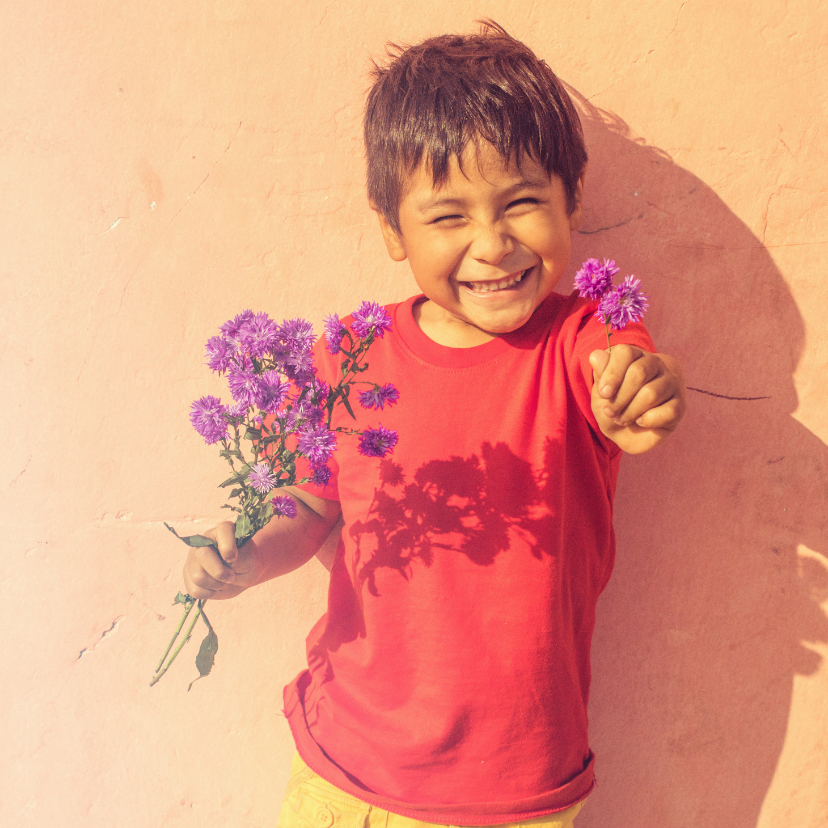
448	680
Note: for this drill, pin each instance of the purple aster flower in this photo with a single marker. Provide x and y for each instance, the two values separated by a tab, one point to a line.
378	396
244	385
370	319
297	336
207	417
377	442
299	368
238	411
321	475
284	506
220	352
623	305
259	335
594	279
334	332
306	412
317	445
261	478
232	328
273	392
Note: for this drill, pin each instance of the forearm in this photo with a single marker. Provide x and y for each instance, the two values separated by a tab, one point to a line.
286	544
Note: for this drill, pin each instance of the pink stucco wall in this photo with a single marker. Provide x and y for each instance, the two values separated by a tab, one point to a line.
165	165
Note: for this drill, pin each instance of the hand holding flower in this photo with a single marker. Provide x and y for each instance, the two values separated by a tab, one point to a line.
637	396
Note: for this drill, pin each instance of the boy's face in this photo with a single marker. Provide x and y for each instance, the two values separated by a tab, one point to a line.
486	247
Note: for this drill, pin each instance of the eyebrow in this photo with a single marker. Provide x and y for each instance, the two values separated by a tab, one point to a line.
436	203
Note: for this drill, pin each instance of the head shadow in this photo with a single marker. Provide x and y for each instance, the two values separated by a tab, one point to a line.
714	601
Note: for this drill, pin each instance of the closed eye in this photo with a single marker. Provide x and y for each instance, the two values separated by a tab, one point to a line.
441	219
520	202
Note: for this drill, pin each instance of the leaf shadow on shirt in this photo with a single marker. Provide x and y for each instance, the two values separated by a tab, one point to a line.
475	500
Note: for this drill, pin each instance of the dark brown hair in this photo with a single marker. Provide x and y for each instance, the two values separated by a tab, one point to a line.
431	99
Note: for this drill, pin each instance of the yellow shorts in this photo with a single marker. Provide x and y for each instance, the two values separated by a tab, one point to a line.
312	802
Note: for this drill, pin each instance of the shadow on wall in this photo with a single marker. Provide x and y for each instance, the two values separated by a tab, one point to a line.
711	608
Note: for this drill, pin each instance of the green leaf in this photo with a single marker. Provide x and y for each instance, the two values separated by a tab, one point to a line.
239	477
348	406
265	512
242	525
191	540
181	598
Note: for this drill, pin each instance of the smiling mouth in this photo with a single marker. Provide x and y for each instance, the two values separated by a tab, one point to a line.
501	284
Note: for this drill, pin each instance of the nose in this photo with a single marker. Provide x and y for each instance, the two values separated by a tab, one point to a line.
492	242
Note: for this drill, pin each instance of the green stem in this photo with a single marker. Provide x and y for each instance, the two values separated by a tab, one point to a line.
186	639
189	605
609	346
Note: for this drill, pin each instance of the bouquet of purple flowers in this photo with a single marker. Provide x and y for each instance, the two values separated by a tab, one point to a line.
281	411
617	306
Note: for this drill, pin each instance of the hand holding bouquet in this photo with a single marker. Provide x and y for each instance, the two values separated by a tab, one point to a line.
281	411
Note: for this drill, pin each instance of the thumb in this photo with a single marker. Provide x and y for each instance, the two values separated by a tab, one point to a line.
224	536
598	361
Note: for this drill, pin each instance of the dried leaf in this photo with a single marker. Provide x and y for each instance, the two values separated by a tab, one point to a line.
206	655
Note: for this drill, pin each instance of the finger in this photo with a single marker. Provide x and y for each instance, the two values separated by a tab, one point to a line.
224	535
644	379
199	584
619	361
598	361
206	559
652	394
663	417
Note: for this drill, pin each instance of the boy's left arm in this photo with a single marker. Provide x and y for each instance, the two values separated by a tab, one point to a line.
638	398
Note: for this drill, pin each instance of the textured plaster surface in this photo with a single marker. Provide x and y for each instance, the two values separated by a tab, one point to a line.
164	166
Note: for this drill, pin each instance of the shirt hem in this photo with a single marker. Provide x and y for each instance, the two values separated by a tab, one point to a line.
471	814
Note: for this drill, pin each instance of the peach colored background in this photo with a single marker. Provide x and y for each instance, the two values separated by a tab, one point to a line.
164	166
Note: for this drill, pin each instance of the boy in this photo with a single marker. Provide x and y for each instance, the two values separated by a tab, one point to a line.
448	681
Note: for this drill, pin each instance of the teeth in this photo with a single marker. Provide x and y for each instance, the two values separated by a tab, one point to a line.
488	287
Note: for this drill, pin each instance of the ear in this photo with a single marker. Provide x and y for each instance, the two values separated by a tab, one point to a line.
393	239
577	214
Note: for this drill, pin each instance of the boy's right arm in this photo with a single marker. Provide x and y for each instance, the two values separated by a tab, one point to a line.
282	546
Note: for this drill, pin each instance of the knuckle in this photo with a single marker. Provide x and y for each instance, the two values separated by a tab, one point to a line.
638	372
201	579
648	398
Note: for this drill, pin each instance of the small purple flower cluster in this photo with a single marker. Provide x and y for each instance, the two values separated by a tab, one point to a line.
617	307
263	360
